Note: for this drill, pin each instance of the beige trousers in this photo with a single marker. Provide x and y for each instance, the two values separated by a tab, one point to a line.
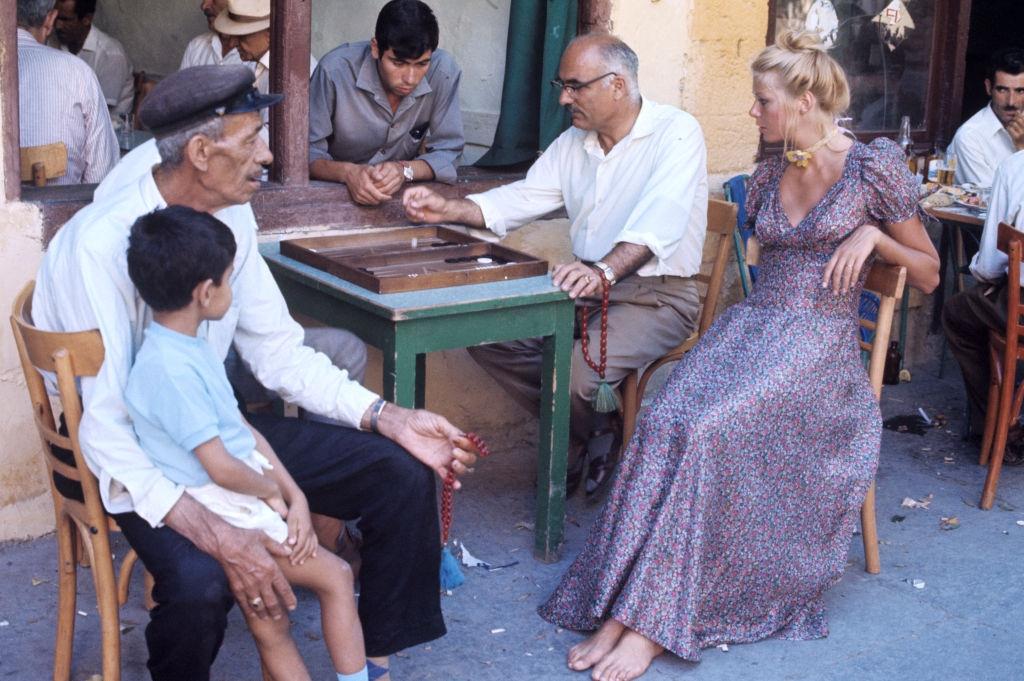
647	317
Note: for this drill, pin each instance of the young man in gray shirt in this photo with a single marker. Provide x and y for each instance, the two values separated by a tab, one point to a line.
386	112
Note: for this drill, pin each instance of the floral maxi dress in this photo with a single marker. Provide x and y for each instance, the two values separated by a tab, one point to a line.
734	504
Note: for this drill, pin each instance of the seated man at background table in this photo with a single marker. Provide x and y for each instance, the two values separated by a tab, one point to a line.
632	176
245	24
73	112
208	48
207	123
386	112
968	316
104	54
988	137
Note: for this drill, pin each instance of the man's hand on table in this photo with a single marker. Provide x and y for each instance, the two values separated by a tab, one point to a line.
247	557
577	279
388	177
362	183
428	437
423	204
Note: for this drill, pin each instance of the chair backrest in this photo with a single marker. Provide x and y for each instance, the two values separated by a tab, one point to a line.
44	162
1011	242
68	356
887	281
722	222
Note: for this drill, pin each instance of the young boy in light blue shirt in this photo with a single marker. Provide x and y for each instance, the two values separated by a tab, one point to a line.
187	420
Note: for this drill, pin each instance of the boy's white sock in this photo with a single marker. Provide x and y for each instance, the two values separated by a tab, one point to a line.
358	676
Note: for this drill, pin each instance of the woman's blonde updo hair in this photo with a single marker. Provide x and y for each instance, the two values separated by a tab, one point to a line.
804	65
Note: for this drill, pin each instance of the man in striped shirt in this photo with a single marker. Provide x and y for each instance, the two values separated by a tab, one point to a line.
60	100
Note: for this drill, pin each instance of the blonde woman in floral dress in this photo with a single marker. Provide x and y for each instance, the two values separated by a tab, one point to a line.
734	505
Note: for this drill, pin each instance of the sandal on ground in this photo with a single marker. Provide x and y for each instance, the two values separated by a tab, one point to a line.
602	455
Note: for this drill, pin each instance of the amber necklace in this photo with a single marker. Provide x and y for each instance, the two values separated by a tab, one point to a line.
801	157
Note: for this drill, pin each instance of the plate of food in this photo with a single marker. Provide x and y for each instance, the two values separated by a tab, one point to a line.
972	202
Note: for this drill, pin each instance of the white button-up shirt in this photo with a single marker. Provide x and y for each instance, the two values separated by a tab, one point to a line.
1006	204
83	283
206	49
651	189
980	145
60	100
106	57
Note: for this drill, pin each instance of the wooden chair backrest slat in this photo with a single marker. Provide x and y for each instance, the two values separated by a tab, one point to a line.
68	356
721	221
54	158
1011	242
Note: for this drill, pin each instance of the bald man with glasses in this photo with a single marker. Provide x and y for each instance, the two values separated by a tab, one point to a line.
632	176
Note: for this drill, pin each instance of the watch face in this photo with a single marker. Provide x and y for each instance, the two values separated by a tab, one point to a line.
407	173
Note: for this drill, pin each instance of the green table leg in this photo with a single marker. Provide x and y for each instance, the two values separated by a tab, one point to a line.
554	439
400	363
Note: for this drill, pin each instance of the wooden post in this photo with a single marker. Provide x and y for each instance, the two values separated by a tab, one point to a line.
9	98
289	74
595	16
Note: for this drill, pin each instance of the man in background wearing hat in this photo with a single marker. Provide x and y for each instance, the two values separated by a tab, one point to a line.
207	123
208	48
245	24
386	112
103	53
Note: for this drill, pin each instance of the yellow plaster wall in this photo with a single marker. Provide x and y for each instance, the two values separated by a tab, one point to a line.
25	508
696	54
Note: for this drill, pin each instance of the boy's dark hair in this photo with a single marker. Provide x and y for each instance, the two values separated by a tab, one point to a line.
173	250
406	26
1009	60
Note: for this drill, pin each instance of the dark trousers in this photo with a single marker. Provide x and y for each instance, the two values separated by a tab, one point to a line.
345	474
967	318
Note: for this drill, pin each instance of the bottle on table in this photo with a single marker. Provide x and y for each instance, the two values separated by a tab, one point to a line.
906	143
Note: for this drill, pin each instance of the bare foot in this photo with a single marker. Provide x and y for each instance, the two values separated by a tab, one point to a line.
629	660
588	653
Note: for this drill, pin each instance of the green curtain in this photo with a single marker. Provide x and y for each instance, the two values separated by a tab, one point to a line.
531	118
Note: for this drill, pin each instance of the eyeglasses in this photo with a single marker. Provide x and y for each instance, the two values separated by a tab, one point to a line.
572	88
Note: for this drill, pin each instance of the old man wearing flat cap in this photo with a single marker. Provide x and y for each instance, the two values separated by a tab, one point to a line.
207	121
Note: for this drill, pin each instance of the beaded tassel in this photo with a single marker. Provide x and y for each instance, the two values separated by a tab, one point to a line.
451	573
605	398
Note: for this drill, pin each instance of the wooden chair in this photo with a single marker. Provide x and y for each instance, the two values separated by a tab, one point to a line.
70	356
44	162
1005	350
721	222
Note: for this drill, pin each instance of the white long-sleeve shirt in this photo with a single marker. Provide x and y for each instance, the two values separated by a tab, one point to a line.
206	49
980	145
1006	204
83	283
651	189
106	57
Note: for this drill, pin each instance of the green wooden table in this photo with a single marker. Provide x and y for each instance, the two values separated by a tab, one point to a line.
406	326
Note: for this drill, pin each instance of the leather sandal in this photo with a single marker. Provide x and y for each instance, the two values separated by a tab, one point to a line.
602	456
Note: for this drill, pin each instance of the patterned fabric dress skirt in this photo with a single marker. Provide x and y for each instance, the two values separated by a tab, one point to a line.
734	505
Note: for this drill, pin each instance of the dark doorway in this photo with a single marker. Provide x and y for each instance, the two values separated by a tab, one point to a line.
995	24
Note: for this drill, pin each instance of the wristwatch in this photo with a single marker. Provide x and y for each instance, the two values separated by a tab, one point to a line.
407	172
606	271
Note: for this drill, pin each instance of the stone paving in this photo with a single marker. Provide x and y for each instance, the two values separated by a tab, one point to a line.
964	622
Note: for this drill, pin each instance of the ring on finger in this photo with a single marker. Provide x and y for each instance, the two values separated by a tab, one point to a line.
256	603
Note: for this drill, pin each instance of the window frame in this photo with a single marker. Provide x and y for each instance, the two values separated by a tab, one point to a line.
944	100
289	200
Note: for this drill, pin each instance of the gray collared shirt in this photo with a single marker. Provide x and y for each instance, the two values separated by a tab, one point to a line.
350	118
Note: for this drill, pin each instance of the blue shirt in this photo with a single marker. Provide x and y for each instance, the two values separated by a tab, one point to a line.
179	397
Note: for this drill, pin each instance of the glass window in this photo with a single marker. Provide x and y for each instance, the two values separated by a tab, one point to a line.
885	46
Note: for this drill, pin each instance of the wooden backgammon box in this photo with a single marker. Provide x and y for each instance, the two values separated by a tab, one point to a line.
412	259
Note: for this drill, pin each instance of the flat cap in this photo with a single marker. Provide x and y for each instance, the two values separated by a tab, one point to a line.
193	94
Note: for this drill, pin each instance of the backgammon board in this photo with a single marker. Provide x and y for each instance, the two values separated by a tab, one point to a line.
412	259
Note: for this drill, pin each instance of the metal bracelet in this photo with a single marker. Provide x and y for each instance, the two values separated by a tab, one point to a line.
375	411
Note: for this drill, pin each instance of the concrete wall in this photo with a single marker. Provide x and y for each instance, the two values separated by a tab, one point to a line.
25	507
473	30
